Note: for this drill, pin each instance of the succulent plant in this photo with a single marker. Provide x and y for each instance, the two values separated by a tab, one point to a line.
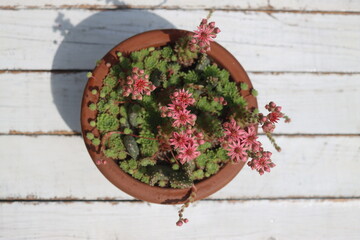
171	117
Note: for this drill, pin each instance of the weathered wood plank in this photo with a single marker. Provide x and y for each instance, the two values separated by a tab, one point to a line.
318	104
299	5
58	167
253	220
75	39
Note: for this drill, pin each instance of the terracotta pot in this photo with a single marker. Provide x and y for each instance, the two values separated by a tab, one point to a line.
111	170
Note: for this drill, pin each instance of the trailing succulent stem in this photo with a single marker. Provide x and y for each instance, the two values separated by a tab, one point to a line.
190	199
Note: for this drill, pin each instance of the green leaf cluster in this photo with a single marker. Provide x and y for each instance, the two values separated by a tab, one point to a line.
148	172
209	163
212	71
106	122
230	91
191	77
114	147
166	53
183	54
206	105
139	56
148	147
210	124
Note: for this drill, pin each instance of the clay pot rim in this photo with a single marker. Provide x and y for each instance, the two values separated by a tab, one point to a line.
111	170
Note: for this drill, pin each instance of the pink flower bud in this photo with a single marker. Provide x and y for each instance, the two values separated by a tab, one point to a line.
217	30
212	24
104	162
268	127
193	40
221	99
216	99
135	69
189	131
98	162
263	119
201	44
201	142
224	103
266	106
147	76
278	109
200	135
186	220
204	21
179	223
141	72
272	104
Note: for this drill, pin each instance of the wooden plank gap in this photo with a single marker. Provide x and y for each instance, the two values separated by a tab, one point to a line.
307	135
73	133
59	71
41	133
117	201
91	7
63	71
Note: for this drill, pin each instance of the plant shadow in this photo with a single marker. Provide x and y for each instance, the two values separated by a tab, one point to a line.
85	43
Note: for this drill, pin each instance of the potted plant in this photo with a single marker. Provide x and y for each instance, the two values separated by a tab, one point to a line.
170	116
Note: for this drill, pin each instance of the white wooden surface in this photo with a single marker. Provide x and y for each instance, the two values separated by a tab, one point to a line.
296	220
262	41
302	54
